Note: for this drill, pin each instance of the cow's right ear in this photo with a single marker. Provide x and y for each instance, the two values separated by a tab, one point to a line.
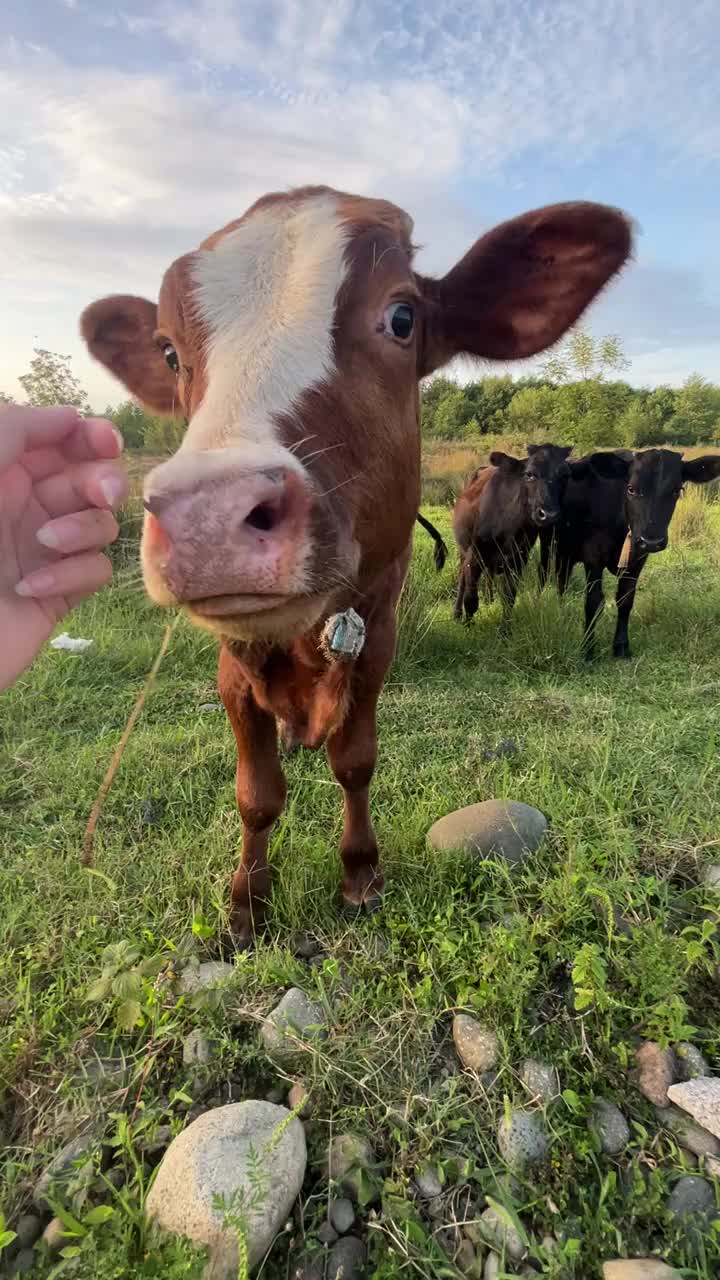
507	463
609	466
120	334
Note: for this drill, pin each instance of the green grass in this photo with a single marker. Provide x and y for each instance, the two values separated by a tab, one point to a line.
622	758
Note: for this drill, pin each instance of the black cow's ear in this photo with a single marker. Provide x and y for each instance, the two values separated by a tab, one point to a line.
609	466
566	450
702	470
505	462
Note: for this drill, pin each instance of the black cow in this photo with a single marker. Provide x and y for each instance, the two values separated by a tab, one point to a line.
616	513
498	516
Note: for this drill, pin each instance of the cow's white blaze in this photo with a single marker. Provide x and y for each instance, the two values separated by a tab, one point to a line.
266	296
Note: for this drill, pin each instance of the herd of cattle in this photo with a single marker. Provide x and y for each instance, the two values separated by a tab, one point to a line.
293	341
604	511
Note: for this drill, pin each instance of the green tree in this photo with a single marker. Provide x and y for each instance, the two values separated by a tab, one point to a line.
697	412
5	399
163	435
531	413
132	422
583	357
51	381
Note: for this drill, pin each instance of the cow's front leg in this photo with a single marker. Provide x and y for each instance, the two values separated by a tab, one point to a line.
260	792
352	752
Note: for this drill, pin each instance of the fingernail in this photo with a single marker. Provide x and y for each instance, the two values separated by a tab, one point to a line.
48	537
40	581
113	489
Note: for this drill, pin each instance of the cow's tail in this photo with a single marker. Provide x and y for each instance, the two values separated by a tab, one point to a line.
440	547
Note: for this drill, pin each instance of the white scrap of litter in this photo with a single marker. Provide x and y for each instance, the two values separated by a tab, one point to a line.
73	646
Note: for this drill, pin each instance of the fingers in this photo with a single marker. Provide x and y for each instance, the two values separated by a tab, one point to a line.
95	484
52	432
78	576
88	530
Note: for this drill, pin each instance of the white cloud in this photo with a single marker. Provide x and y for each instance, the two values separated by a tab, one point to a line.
107	173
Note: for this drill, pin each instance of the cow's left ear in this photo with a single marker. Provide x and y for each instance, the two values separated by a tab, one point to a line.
702	470
523	284
505	462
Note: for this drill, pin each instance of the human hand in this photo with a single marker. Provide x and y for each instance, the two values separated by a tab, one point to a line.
59	485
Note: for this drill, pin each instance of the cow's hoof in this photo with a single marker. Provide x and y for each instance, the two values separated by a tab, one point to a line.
622	651
369	906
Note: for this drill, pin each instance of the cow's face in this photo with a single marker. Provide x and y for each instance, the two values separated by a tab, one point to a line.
655	481
293	341
542	477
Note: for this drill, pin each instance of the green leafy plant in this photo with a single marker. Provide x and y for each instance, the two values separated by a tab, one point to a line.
127	982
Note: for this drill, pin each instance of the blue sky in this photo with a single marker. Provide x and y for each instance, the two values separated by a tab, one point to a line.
128	132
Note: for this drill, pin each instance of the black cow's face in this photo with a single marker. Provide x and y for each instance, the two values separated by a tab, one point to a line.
655	482
546	475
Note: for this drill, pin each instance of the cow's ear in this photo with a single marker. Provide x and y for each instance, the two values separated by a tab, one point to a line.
505	462
566	450
609	466
120	333
701	470
523	284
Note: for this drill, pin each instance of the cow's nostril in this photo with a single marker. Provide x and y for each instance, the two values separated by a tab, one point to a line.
264	517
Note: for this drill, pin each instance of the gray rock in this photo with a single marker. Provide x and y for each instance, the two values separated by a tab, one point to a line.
689	1062
477	1046
540	1079
326	1233
28	1230
701	1099
639	1269
212	1158
346	1260
296	1021
161	1138
610	1125
690	1136
503	829
348	1157
428	1183
712	1166
197	1050
691	1196
54	1235
655	1072
23	1263
491	1269
498	1231
522	1138
309	1268
209	706
62	1167
342	1215
711	877
204	977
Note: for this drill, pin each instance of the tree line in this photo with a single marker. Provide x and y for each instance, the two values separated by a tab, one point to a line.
576	398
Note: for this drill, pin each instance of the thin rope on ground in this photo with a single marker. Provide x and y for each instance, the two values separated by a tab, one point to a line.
87	849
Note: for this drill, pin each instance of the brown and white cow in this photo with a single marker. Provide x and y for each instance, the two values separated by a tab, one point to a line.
293	340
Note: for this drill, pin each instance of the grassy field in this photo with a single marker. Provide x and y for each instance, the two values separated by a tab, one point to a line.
622	758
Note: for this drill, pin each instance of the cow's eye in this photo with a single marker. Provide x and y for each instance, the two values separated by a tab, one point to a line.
171	356
399	320
531	479
633	492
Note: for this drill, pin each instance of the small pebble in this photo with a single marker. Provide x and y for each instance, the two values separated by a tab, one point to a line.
690	1136
299	1100
610	1125
711	877
54	1235
428	1183
639	1269
23	1263
499	1232
712	1166
690	1062
540	1080
28	1230
294	1023
522	1139
701	1099
326	1233
656	1072
197	1050
492	1267
346	1259
342	1215
690	1196
477	1046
